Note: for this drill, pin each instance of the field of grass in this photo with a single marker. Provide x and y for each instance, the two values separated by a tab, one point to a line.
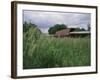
41	51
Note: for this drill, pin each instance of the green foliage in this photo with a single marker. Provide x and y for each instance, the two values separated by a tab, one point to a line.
30	38
41	51
26	26
57	27
52	52
78	29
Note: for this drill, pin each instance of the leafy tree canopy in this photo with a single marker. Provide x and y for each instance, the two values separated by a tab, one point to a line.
26	26
77	29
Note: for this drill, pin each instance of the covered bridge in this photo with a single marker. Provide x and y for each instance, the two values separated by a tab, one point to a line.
69	33
62	33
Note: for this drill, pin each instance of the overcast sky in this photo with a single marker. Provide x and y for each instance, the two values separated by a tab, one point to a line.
44	19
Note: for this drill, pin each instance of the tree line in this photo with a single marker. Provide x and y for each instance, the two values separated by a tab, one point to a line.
53	29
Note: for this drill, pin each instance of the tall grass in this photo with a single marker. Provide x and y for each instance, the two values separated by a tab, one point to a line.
47	52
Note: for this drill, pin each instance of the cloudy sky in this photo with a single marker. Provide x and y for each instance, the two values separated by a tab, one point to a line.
44	19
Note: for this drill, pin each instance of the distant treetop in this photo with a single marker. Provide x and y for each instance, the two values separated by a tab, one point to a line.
56	27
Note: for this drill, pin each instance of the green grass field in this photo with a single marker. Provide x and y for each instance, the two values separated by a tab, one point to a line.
41	51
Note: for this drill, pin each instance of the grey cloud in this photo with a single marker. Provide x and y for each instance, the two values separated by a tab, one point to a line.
48	19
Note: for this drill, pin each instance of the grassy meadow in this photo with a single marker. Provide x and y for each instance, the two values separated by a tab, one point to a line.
40	51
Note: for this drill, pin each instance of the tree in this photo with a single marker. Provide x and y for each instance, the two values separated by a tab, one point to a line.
77	29
89	28
26	26
57	27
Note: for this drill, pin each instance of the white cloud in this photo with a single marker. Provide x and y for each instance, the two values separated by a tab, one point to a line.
44	20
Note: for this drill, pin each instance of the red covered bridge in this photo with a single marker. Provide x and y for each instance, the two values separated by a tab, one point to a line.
69	33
